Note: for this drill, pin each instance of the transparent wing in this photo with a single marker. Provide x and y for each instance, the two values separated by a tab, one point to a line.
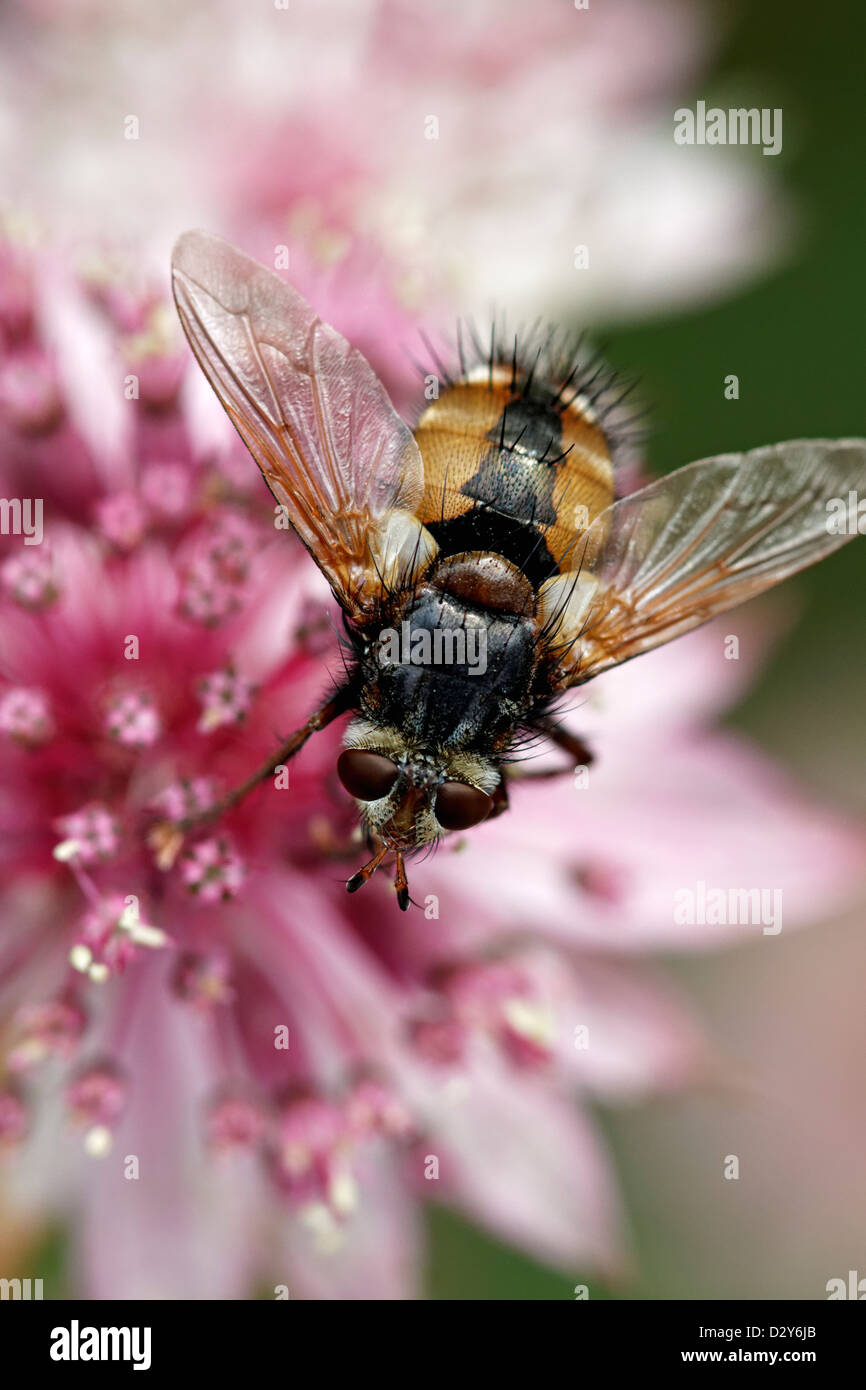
309	408
707	537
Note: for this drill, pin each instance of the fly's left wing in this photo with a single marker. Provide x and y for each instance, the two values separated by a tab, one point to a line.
312	413
693	544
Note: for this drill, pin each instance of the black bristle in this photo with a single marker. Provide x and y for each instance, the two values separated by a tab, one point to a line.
550	366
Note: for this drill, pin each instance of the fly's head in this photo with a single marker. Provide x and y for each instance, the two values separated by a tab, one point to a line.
409	796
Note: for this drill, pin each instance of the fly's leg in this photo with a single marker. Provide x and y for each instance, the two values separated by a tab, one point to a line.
575	747
166	837
366	872
567	741
401	886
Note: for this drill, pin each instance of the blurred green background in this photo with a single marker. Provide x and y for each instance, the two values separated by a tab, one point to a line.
793	1022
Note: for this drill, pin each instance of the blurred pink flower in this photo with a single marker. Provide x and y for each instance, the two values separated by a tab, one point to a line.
294	1070
475	146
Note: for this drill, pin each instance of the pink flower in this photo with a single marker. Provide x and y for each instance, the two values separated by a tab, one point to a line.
25	715
27	576
477	146
296	1069
96	1099
213	870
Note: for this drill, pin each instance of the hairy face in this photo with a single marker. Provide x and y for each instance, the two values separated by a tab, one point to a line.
409	796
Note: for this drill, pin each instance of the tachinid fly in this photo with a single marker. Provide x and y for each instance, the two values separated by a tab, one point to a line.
494	526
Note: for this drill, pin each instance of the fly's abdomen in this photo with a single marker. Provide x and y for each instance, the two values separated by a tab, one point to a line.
513	467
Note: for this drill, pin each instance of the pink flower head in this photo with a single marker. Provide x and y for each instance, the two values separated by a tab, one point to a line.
153	358
203	979
96	1099
225	698
27	577
235	1121
498	999
166	490
52	1029
310	1155
122	519
25	715
187	798
344	1063
133	720
110	936
30	399
372	1107
90	834
213	870
215	570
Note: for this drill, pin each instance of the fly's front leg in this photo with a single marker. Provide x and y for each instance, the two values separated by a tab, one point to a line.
166	837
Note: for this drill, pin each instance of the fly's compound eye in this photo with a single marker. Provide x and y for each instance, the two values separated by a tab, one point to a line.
458	805
368	776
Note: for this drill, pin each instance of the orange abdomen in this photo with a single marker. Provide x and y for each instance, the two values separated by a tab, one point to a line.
512	472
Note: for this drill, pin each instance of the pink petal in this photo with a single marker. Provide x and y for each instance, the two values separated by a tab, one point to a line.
185	1228
528	1166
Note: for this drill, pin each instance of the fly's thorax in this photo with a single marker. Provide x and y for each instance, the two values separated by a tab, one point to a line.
401	786
449	673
